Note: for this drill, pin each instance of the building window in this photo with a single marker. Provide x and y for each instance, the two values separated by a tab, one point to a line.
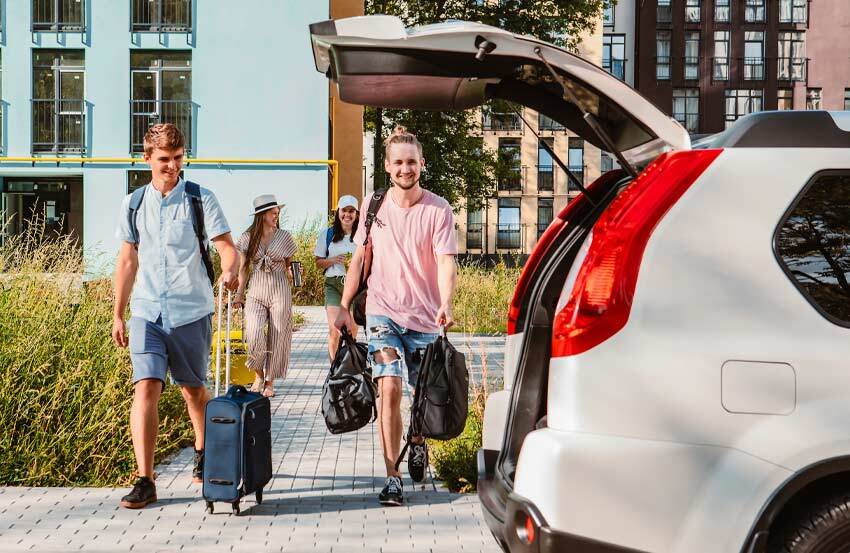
662	55
575	162
545	167
740	102
509	152
58	105
161	93
754	11
812	245
162	16
686	107
509	227
545	123
545	213
608	14
691	55
721	55
814	98
692	9
58	15
614	55
785	99
721	11
754	55
847	99
793	11
475	229
663	12
606	162
791	63
500	115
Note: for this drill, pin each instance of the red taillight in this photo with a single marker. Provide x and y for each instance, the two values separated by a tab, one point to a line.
543	245
526	532
601	298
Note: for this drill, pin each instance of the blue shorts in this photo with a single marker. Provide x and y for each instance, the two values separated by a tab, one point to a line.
382	332
184	350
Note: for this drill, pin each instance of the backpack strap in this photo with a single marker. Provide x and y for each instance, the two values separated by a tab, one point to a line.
197	212
329	237
135	202
378	197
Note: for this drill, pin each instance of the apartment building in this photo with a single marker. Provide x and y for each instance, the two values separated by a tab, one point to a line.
84	79
536	188
709	62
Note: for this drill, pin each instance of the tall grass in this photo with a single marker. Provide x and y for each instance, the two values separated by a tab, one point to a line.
482	297
65	389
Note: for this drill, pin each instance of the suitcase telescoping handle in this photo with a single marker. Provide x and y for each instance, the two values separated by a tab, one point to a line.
227	340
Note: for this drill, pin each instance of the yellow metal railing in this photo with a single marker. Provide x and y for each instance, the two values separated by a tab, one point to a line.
332	164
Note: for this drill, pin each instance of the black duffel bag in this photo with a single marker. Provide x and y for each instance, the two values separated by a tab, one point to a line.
441	398
348	395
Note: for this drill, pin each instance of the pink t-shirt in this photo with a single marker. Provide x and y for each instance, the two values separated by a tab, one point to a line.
405	244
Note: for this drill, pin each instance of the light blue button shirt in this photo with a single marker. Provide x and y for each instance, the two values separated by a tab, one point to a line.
171	280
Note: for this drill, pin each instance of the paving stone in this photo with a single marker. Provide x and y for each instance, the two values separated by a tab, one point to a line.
323	496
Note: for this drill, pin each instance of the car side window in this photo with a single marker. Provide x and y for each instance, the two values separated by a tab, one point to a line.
813	244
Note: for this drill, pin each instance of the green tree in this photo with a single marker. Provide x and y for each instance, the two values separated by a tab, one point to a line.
458	165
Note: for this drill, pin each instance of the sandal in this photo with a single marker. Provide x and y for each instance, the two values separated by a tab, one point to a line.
268	389
255	387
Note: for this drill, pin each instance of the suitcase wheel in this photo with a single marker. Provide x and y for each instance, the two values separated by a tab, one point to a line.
236	508
209	508
259	495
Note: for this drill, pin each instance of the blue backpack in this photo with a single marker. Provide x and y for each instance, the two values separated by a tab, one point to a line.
197	211
329	237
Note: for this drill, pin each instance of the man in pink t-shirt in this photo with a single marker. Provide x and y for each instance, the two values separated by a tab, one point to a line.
411	284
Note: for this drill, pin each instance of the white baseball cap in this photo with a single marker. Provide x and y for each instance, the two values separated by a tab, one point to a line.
347	201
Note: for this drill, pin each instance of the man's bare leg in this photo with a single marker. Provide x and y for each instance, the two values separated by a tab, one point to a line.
144	423
389	412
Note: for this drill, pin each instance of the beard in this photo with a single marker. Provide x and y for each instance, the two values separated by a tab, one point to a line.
402	186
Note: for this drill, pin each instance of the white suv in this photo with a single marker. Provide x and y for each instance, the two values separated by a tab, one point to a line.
678	362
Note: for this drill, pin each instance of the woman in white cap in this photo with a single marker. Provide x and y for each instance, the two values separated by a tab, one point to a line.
334	249
266	254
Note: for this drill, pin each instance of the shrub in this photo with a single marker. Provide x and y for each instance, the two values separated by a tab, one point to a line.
65	389
482	297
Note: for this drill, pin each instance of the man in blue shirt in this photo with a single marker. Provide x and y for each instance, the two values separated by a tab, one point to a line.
172	301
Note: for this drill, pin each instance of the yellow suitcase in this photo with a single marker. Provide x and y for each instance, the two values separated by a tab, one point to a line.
239	371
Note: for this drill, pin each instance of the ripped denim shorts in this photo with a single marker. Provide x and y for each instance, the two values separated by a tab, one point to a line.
382	333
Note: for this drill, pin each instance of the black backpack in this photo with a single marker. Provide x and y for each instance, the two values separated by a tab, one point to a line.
197	211
348	395
441	398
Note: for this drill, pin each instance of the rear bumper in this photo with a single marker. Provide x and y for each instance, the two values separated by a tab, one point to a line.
546	539
491	493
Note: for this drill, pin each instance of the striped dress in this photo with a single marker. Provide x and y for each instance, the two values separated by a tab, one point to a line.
268	305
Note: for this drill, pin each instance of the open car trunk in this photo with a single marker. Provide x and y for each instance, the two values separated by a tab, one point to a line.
375	61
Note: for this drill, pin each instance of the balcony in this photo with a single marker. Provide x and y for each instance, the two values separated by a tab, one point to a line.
616	67
144	113
691	71
541	228
501	122
578	173
792	69
58	126
664	14
474	236
512	181
545	178
162	16
545	123
509	236
662	68
753	69
719	69
58	15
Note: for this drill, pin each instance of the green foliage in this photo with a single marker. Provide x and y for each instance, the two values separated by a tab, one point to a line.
459	167
482	297
312	290
65	389
455	460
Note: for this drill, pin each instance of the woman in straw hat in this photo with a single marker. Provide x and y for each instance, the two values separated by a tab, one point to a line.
266	254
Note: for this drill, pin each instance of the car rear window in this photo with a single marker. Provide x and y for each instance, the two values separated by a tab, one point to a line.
813	244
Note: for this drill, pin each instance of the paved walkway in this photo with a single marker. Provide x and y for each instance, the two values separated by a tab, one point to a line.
323	496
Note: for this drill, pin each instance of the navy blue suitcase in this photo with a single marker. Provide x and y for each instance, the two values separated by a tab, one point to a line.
237	445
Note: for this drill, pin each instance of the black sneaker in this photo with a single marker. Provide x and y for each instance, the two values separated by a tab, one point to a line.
143	492
417	461
392	492
198	470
